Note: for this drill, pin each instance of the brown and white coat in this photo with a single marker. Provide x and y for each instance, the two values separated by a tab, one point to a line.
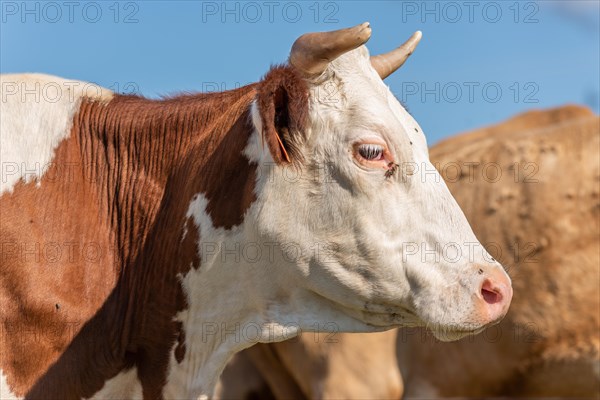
165	190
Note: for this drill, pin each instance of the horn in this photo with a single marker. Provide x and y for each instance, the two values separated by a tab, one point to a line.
312	52
386	64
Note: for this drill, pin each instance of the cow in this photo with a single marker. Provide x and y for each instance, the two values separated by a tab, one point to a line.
146	241
529	186
541	217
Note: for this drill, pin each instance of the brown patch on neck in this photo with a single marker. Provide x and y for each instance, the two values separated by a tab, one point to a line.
215	167
139	164
229	177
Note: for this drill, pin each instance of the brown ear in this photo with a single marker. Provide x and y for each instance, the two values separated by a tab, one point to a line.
282	101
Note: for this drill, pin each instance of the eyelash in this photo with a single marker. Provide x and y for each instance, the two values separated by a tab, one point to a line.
371	152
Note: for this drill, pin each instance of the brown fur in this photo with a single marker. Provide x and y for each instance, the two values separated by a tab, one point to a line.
69	326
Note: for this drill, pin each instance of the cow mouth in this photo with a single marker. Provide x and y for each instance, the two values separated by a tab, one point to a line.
452	334
389	317
402	317
383	316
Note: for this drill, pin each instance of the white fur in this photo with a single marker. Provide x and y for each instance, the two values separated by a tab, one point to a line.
242	300
123	386
373	220
37	112
5	392
256	149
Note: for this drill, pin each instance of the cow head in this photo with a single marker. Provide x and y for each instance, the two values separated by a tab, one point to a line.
369	234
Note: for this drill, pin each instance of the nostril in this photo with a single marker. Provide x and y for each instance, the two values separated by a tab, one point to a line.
491	297
490	293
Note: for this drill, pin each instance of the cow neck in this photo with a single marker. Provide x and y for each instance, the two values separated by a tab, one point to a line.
148	160
138	152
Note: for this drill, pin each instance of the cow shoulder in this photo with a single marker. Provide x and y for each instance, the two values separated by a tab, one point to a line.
37	112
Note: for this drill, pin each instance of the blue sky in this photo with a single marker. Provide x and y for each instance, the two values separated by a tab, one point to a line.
479	61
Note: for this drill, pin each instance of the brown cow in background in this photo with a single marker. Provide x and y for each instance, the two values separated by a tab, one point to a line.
541	218
342	366
530	189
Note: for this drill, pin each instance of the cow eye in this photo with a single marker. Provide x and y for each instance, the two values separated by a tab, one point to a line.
371	152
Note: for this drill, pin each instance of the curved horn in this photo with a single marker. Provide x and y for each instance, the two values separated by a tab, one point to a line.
386	64
312	52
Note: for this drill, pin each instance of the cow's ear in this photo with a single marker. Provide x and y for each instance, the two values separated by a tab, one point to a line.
282	102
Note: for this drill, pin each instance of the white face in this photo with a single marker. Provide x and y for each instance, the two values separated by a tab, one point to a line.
382	239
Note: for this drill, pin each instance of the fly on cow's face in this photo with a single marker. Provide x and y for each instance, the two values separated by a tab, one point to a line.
392	168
